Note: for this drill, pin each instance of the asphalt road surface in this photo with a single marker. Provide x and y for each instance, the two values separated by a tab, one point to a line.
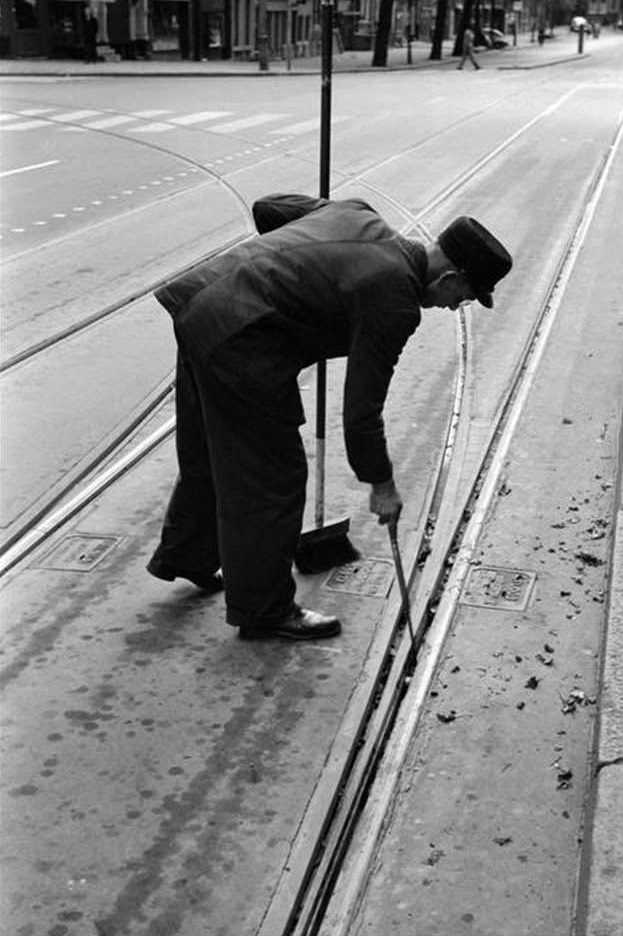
111	186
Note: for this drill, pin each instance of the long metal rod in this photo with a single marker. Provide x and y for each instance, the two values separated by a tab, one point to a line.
325	185
392	527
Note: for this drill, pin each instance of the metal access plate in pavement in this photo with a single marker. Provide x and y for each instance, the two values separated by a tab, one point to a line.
496	587
369	577
78	552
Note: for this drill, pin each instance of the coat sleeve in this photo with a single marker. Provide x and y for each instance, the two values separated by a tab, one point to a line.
273	211
375	348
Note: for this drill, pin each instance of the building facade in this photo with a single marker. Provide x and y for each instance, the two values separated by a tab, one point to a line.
213	29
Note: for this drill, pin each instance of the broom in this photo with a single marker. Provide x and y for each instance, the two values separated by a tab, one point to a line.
326	544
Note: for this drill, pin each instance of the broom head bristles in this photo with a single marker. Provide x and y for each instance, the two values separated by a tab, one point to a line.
322	548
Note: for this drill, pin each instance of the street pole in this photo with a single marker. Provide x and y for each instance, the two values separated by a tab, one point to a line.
196	15
289	34
262	36
326	25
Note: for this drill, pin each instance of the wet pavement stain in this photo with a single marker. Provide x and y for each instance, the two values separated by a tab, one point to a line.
27	789
201	823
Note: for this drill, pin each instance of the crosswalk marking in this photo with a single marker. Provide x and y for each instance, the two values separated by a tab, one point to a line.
244	122
35	111
26	125
109	122
79	121
304	126
153	128
70	116
198	118
150	113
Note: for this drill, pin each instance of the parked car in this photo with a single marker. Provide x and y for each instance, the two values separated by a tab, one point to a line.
579	21
491	39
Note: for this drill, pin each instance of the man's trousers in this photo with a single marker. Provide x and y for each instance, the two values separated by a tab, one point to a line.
239	499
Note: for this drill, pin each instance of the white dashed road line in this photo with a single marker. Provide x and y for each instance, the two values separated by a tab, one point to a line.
79	121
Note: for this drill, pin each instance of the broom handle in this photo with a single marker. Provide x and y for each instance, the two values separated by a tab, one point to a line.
326	8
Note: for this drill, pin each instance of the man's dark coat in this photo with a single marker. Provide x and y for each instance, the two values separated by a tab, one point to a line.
324	280
335	280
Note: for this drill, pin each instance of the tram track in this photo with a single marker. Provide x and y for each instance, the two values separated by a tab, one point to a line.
437	566
383	711
34	516
22	537
362	781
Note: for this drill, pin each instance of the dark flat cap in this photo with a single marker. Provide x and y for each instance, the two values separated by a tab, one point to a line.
475	252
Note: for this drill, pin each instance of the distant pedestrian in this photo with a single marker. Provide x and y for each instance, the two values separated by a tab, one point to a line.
91	27
468	49
326	279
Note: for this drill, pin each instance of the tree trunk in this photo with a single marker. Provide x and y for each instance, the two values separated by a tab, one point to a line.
382	33
440	20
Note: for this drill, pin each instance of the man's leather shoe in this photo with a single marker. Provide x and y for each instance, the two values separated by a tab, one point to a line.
207	582
302	624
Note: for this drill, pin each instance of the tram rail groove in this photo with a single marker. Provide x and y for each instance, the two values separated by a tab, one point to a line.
461	548
51	522
121	305
379	747
81	472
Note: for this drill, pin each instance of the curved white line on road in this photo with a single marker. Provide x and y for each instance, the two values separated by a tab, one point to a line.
43	165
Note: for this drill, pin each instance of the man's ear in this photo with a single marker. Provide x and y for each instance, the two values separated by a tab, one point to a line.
448	275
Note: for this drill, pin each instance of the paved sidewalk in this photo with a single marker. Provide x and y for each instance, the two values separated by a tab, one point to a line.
525	55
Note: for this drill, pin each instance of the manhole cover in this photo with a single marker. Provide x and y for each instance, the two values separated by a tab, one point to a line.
369	577
493	587
78	552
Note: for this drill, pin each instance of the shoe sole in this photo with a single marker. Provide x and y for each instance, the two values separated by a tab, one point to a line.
212	589
289	635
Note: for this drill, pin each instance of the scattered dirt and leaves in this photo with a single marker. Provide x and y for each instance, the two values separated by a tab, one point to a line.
576	699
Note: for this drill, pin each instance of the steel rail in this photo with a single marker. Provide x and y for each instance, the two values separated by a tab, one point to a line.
107	448
462	548
120	306
437	588
49	523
